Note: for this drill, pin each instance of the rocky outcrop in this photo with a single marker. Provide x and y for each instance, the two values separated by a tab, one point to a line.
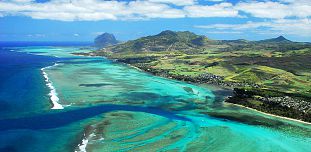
104	40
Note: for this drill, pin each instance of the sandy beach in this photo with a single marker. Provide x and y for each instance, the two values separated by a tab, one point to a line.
269	114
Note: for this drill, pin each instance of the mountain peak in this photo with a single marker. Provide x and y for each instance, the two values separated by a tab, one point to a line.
167	32
107	34
278	39
104	40
165	41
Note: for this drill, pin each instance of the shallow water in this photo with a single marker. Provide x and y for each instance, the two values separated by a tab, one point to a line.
110	106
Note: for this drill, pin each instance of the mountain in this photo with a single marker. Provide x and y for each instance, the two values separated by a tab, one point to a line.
191	43
264	71
279	39
276	63
164	41
104	40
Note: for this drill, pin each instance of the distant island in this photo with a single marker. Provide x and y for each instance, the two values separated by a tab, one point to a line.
270	75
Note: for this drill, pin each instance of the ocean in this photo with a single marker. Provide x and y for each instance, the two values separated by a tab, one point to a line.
51	100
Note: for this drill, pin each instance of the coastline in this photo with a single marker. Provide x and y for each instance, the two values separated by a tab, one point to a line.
269	114
226	87
221	86
53	94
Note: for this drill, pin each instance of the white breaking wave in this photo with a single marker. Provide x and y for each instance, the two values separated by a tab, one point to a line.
85	140
53	94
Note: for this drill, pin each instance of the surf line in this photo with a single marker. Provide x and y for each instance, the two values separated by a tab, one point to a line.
53	94
84	142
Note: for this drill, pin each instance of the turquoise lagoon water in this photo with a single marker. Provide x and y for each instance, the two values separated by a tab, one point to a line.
64	102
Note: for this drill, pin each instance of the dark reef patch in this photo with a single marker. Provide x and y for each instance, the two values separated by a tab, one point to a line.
247	119
94	85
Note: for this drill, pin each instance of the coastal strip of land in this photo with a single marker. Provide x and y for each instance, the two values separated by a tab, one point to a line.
269	114
272	76
215	80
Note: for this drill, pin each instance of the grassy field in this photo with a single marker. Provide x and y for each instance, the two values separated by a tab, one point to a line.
272	75
285	71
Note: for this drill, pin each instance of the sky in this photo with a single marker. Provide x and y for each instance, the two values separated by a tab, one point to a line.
83	20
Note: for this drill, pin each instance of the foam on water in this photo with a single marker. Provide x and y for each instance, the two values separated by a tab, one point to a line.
85	140
53	94
128	86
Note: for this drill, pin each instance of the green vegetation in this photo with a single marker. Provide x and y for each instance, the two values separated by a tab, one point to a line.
165	41
275	102
273	64
276	64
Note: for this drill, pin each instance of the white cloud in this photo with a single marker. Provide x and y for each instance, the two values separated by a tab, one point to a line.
147	9
93	10
294	27
244	26
264	9
90	10
36	35
215	0
76	35
276	10
20	1
175	2
217	10
300	27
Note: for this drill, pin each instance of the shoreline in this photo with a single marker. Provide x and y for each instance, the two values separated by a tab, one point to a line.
53	94
221	86
269	114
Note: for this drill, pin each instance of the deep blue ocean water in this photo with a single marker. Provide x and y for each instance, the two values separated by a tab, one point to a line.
28	124
22	86
23	93
26	120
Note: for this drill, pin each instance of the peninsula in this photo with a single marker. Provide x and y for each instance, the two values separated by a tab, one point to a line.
270	75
